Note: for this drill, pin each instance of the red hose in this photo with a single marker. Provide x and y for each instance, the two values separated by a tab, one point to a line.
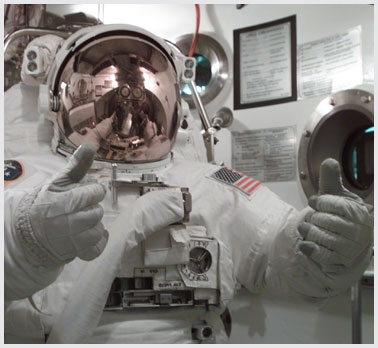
195	36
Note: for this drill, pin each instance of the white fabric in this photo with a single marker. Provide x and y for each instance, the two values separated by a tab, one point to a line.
49	45
148	215
51	225
97	276
22	279
94	285
175	251
62	220
160	326
257	234
189	142
24	320
25	130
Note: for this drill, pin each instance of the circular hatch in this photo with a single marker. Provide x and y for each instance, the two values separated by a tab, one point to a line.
341	127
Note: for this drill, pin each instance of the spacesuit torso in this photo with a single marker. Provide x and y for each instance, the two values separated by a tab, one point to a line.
187	268
178	297
165	292
181	291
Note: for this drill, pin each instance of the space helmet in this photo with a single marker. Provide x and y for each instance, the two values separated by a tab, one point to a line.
117	87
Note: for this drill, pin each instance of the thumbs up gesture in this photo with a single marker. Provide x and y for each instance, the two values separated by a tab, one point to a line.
61	220
338	233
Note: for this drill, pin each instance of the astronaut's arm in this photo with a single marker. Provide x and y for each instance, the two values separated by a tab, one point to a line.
47	227
21	278
320	251
38	59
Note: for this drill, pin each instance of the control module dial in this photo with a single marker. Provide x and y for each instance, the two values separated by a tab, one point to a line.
200	261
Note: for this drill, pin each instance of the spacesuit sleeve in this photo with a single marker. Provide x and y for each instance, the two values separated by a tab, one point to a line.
20	277
275	264
272	262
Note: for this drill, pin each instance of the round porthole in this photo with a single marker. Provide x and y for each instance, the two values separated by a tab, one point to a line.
342	127
211	67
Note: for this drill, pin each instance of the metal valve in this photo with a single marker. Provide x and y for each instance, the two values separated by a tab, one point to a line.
202	332
222	119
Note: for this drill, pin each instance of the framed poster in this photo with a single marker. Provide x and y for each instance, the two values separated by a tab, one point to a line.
265	64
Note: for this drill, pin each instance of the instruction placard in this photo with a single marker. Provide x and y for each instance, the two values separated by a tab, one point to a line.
265	154
265	64
330	64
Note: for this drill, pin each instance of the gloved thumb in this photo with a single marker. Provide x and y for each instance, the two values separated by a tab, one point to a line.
330	181
77	167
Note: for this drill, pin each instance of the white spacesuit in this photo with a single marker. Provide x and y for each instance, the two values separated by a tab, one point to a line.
176	236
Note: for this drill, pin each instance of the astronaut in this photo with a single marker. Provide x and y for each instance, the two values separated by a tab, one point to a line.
131	242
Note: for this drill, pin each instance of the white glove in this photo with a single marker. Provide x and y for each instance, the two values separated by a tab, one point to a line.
61	220
47	47
338	234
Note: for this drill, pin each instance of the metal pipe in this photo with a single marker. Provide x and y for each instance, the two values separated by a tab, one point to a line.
114	185
32	32
199	106
356	313
206	123
210	154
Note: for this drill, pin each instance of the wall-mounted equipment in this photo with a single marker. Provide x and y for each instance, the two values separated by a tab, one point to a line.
223	118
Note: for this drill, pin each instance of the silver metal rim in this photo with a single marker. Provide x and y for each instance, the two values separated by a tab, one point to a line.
212	50
353	99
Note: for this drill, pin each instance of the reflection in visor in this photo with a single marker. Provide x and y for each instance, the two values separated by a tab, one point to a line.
127	129
123	100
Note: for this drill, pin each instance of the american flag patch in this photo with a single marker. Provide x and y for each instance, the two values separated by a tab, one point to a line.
239	180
